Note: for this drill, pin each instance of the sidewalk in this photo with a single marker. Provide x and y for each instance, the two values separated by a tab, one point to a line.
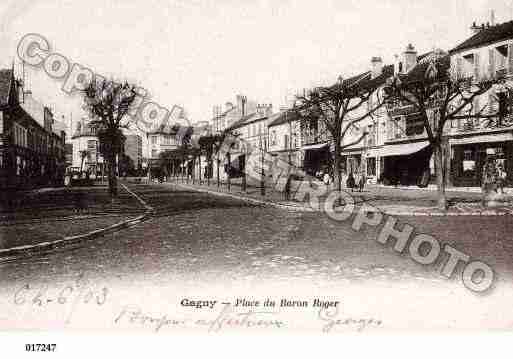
391	201
38	217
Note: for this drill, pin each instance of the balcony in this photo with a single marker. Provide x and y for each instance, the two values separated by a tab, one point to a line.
485	124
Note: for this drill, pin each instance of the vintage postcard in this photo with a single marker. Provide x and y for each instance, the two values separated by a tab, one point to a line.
255	167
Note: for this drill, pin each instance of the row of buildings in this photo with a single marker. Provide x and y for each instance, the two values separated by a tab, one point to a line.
396	149
32	142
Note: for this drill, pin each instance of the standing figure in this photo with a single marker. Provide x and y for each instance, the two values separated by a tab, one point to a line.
501	178
361	183
490	175
350	183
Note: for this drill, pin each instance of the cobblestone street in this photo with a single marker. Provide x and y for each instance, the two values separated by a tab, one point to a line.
198	243
194	233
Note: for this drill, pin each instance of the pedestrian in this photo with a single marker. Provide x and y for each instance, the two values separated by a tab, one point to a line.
350	181
490	175
361	182
501	178
327	179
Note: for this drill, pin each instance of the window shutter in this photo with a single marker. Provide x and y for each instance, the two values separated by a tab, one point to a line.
476	66
491	62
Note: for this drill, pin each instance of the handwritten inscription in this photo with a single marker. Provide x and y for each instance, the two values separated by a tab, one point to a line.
332	319
72	295
227	318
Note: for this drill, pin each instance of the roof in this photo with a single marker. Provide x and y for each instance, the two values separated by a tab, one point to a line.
487	36
441	63
83	129
247	119
6	77
365	80
282	117
34	109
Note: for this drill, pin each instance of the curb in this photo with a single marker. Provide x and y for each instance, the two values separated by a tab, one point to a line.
398	213
27	249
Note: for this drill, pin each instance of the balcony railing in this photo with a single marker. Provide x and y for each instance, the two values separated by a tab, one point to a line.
485	124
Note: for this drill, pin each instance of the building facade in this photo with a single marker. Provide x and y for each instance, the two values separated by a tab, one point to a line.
31	142
487	54
284	137
133	149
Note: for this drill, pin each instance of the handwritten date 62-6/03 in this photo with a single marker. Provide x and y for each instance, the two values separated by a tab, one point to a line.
70	294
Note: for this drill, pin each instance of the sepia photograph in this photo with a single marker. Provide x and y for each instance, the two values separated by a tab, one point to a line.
255	167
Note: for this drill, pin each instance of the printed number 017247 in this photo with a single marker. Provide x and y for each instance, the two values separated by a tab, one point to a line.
40	347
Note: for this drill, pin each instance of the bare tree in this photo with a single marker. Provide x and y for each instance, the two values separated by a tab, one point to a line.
440	94
108	104
341	108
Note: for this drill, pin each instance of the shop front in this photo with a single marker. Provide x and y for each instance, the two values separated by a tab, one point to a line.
316	158
468	156
406	164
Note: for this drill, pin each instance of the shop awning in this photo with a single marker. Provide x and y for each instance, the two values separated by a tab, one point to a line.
403	149
315	147
493	137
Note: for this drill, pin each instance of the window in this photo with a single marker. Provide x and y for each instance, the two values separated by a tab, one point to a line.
153	153
286	141
273	138
415	125
154	140
396	128
167	140
371	166
18	165
469	163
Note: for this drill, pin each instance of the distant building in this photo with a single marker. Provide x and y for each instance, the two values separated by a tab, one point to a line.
86	148
69	154
284	137
133	149
31	141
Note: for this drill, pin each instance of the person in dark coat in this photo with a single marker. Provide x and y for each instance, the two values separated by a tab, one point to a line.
361	182
350	183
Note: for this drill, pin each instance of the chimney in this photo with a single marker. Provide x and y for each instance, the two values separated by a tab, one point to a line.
241	104
376	66
409	58
492	17
475	29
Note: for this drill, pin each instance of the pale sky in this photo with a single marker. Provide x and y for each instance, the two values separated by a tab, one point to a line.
201	53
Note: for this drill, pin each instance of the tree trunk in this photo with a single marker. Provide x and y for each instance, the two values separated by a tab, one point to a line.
229	168
218	164
262	176
113	181
209	168
336	170
440	176
199	170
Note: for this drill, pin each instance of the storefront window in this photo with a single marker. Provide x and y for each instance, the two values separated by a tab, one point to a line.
469	163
